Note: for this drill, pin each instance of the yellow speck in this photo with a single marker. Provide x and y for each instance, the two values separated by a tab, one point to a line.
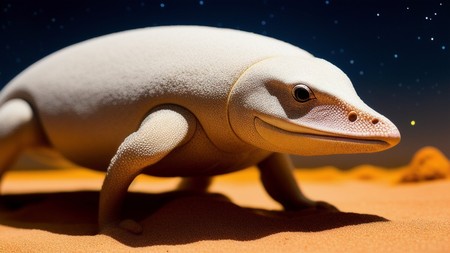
413	122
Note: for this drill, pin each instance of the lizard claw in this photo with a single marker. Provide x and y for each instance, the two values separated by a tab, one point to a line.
324	206
312	205
131	226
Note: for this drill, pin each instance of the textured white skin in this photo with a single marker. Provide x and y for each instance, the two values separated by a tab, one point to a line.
186	101
321	125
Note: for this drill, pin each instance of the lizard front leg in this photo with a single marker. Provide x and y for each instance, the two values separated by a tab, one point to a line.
161	132
279	182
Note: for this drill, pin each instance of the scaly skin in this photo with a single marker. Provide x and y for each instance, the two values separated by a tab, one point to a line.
187	101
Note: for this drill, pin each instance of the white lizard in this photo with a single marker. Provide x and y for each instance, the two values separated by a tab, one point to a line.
187	101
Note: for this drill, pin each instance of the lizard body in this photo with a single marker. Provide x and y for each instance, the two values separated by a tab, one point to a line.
187	101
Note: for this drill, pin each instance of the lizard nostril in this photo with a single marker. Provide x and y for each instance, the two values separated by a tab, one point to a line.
375	121
352	116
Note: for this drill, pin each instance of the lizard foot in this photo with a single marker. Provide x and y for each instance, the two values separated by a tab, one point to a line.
131	226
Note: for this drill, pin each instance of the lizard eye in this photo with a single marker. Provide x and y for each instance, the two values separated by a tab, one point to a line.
302	93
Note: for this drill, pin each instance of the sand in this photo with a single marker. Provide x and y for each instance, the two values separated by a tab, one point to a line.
55	211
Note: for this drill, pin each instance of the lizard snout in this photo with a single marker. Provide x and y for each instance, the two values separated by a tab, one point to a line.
374	126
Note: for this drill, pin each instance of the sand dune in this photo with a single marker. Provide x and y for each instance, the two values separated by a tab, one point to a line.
55	211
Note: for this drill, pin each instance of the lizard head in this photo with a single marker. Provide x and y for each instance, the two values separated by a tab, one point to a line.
305	106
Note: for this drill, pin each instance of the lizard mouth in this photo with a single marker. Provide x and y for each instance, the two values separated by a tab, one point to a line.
277	135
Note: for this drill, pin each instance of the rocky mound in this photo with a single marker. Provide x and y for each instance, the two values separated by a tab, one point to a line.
428	163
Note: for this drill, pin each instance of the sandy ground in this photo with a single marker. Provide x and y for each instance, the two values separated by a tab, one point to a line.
55	211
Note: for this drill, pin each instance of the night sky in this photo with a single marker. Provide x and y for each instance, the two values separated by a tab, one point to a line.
395	52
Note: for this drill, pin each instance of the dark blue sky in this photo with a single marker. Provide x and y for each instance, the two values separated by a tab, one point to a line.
395	52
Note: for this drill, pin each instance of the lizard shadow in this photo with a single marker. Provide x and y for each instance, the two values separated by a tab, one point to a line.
170	218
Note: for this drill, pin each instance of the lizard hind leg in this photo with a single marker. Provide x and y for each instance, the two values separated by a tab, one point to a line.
19	129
